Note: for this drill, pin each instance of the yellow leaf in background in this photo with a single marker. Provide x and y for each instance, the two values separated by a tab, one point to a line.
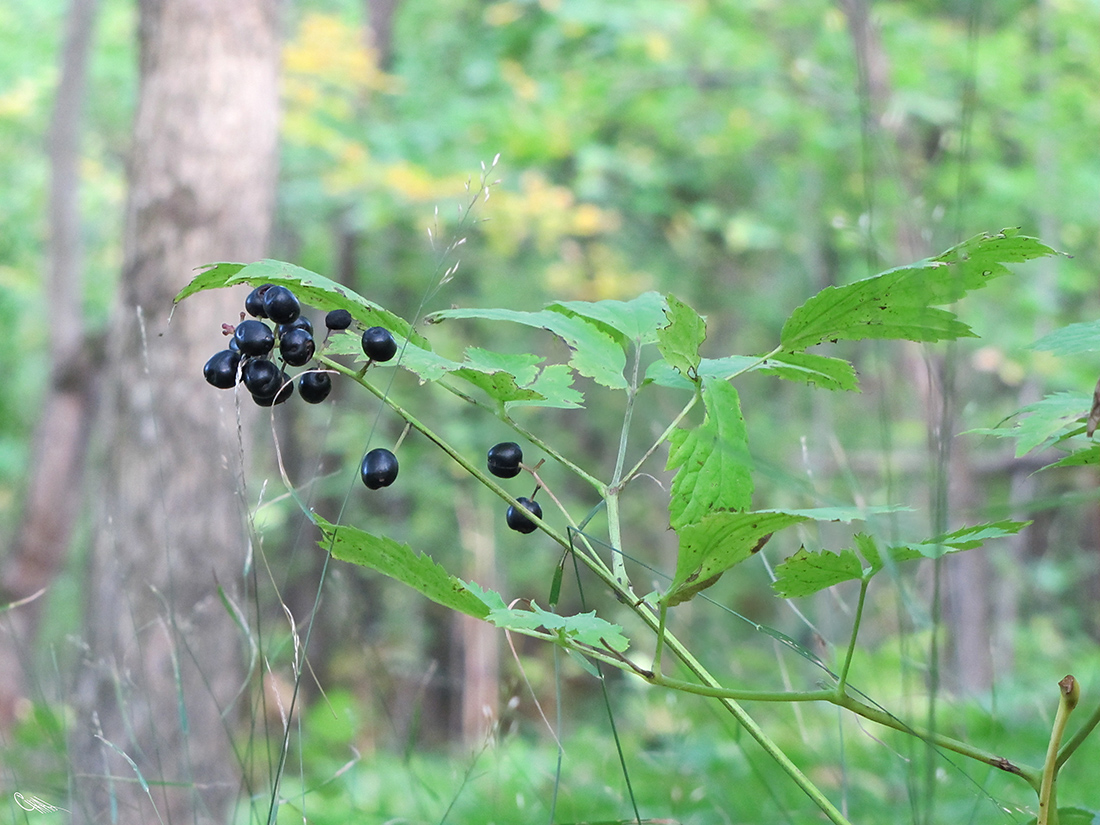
503	14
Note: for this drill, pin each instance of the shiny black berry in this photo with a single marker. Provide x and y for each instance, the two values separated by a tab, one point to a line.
254	303
378	344
284	390
338	319
280	305
301	322
254	338
314	387
296	347
379	468
261	376
504	459
221	370
519	521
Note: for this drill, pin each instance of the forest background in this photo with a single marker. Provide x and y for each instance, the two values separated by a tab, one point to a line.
742	155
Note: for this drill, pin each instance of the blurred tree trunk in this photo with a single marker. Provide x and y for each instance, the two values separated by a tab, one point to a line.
163	660
58	450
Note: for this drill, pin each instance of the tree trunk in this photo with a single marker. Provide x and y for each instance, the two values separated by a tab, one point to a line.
164	658
58	451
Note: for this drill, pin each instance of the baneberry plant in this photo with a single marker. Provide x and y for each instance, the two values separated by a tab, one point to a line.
710	503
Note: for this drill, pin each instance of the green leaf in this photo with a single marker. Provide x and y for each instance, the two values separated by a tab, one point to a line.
965	538
809	571
1081	458
1071	340
312	289
900	303
596	354
1046	421
399	562
827	373
718	542
500	375
714	469
554	386
1073	816
585	628
680	340
662	373
636	321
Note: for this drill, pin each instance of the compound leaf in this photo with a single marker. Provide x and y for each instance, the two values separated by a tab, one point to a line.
636	321
714	469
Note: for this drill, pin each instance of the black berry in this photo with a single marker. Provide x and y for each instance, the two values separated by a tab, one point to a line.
296	347
338	319
261	376
281	394
520	521
314	387
254	338
221	370
254	303
378	344
301	322
280	305
504	459
379	468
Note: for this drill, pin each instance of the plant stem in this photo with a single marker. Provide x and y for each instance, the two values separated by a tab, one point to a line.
1082	734
1068	696
614	528
661	439
842	681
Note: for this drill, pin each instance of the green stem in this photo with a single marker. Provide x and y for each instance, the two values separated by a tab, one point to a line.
1082	734
1068	696
615	536
842	682
661	439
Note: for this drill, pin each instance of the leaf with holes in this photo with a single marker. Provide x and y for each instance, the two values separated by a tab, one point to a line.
680	339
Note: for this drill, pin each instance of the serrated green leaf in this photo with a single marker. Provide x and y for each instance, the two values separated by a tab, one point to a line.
595	353
1046	421
680	340
499	375
555	388
822	370
586	628
662	374
1071	340
636	321
809	571
399	562
965	538
311	289
1081	458
901	303
713	545
714	469
1073	816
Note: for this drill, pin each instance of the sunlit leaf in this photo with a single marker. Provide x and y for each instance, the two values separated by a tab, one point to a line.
554	386
714	469
637	320
662	373
595	353
821	370
901	303
809	571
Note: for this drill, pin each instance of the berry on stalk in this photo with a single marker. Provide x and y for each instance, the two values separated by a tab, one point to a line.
261	376
519	520
379	468
504	459
280	305
301	322
296	347
314	386
378	344
338	319
254	338
221	370
254	303
281	394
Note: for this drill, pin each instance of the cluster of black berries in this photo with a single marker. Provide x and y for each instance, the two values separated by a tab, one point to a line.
253	342
504	462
